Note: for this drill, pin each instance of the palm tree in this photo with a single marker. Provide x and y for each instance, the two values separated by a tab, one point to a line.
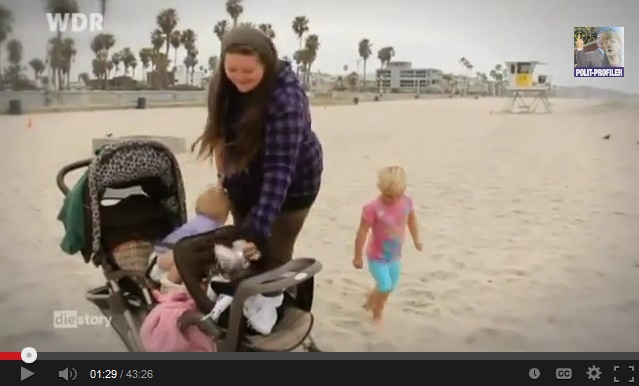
68	55
145	58
365	50
15	51
159	60
467	69
190	62
160	63
498	76
38	67
221	28
128	59
62	8
214	62
133	64
98	68
101	45
54	59
298	59
188	39
175	40
268	30
469	72
352	80
312	45
84	77
300	27
302	59
6	27
116	59
305	58
385	55
463	62
167	20
234	8
157	40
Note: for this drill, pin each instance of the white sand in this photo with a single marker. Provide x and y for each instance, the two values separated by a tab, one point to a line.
530	225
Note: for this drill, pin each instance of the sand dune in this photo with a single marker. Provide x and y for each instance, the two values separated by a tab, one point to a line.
530	225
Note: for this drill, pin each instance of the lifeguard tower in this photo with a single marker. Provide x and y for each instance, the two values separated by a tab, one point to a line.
528	94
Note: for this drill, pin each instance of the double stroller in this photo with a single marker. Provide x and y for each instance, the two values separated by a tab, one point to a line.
149	168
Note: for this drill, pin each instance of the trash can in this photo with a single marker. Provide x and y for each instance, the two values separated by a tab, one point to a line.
376	98
416	96
356	100
15	107
141	104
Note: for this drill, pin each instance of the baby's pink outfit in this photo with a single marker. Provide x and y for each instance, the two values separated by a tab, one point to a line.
160	331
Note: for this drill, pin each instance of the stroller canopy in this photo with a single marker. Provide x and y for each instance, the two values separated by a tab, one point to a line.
120	165
126	163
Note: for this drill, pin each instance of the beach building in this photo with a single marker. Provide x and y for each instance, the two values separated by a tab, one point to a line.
402	77
184	75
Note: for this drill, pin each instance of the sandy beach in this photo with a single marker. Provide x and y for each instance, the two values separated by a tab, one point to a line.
530	225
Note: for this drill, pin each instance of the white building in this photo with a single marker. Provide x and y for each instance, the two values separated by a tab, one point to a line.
402	77
182	76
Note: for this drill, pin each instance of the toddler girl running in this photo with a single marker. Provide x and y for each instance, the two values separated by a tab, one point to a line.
386	217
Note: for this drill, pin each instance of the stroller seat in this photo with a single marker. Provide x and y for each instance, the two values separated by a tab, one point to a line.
295	279
292	329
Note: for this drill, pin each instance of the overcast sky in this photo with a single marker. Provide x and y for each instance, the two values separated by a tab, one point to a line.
429	33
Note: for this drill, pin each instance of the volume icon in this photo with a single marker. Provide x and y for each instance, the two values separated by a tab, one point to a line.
68	373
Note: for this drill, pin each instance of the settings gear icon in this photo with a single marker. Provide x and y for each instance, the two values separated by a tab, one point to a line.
594	373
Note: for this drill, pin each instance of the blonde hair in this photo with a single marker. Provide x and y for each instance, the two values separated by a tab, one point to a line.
611	35
214	204
391	180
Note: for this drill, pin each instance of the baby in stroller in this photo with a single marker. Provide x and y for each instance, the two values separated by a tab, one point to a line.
212	210
161	330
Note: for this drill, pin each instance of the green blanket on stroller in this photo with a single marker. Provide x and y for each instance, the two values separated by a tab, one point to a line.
72	217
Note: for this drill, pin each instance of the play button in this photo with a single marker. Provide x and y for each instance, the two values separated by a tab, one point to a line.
24	374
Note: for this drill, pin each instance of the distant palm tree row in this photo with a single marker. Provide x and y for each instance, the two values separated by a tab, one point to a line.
157	57
61	51
454	84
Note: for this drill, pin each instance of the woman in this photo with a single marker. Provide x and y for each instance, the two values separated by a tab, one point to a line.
613	48
259	132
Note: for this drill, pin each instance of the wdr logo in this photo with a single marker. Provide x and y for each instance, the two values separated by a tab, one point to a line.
78	22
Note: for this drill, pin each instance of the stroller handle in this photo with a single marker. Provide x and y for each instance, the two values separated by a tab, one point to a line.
68	169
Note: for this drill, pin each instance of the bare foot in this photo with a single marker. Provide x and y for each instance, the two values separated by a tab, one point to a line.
368	305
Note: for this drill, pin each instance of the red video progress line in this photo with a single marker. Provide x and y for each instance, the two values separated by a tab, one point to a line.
10	356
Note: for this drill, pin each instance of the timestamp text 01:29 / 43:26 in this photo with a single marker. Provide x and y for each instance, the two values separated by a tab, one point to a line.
120	374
